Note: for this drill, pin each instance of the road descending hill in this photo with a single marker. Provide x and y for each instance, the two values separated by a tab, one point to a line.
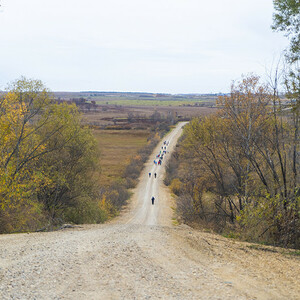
141	255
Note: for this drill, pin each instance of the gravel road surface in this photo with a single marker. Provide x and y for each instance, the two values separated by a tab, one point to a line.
141	255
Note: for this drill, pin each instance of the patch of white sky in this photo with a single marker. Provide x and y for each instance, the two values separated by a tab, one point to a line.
175	46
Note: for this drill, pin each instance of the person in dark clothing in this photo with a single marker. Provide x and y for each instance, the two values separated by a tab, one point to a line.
149	175
154	175
152	199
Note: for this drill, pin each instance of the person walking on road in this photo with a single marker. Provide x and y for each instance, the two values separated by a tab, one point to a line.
154	175
149	174
152	199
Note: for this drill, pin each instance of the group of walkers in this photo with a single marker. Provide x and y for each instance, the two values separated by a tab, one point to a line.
154	175
160	156
158	161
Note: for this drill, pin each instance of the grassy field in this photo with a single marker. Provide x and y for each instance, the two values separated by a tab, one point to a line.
117	147
105	117
136	102
139	99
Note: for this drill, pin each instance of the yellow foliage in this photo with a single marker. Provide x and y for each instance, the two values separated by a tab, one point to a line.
107	207
175	186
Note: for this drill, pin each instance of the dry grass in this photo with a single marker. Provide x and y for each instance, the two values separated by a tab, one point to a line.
117	147
103	117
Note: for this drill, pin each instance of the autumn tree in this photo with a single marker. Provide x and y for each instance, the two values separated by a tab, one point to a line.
46	158
208	168
287	19
243	156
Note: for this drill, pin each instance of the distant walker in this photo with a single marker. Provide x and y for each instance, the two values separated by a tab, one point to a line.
152	199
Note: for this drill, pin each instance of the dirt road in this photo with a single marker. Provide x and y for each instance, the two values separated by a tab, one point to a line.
141	255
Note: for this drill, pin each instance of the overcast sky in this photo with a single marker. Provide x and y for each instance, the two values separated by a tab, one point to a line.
173	46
